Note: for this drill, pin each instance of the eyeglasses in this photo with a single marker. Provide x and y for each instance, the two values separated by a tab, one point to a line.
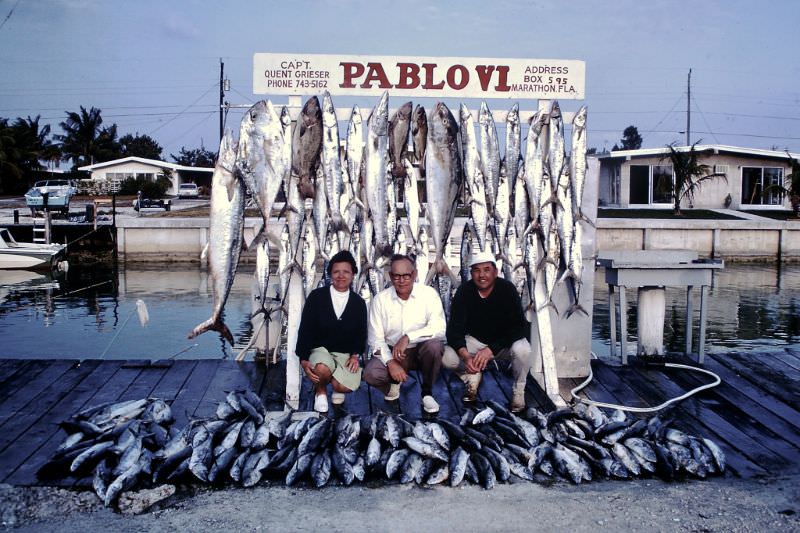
400	277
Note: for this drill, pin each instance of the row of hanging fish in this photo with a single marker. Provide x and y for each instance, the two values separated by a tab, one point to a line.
243	443
525	208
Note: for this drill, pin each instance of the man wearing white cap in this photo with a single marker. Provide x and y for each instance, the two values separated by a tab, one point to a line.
487	322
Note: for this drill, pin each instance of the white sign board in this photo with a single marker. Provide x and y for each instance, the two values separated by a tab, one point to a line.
438	77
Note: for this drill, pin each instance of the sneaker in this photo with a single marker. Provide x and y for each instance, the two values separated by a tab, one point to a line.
337	398
471	384
394	392
321	403
429	404
517	398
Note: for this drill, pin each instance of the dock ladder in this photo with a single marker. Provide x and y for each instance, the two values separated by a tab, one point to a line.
41	227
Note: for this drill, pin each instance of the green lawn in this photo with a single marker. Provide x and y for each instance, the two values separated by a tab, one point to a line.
686	214
777	214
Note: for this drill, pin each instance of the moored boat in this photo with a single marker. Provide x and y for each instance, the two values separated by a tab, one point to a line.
27	255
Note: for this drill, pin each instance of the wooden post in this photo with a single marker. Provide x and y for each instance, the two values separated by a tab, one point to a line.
612	319
689	313
701	342
294	301
650	321
623	325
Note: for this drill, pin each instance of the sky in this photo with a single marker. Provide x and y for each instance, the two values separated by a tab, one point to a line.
152	66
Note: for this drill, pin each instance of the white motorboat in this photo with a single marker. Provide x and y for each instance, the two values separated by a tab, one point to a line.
28	255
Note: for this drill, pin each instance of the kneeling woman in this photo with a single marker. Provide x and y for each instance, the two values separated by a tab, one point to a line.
333	332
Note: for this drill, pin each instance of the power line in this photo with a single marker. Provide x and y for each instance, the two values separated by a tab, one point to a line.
213	86
9	15
705	121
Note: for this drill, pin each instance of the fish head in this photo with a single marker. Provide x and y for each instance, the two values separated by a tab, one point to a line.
286	118
484	115
513	115
311	113
443	119
404	111
328	111
464	114
378	120
536	123
555	110
580	118
227	151
355	117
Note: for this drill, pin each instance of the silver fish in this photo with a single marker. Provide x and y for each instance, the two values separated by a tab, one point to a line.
262	275
411	201
575	270
399	125
443	181
332	165
419	135
261	156
354	147
513	145
306	146
551	268
309	259
466	251
422	263
534	165
502	208
531	266
226	224
578	161
522	212
285	262
321	215
490	154
473	177
556	151
375	170
391	204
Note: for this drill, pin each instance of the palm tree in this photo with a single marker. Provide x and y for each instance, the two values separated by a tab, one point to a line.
84	141
689	175
9	155
791	185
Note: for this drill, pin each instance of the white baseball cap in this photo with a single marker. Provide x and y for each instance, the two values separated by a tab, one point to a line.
482	257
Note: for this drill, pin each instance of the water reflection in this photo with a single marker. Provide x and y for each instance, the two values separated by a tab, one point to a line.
91	312
752	307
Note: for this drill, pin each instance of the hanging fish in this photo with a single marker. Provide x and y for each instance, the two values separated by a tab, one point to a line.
306	147
399	125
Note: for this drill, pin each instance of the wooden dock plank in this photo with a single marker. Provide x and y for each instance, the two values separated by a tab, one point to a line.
739	463
789	357
775	384
768	361
193	390
22	376
228	377
45	436
9	367
752	390
717	427
18	398
145	382
44	401
735	407
173	380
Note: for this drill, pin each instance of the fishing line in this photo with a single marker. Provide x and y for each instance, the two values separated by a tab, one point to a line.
669	402
176	354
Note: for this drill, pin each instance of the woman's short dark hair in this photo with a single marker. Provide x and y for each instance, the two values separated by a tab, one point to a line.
343	257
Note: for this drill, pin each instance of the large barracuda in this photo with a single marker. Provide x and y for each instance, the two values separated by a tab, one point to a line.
513	145
578	162
332	167
375	158
522	212
575	270
443	181
226	224
306	146
473	177
490	154
419	135
391	203
261	158
399	125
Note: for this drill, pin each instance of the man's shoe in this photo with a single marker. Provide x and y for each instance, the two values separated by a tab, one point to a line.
517	397
429	404
394	392
321	403
471	384
337	398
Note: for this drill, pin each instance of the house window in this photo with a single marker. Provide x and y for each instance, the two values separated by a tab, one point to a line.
651	184
760	185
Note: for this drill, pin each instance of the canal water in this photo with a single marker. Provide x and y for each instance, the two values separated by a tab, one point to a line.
92	313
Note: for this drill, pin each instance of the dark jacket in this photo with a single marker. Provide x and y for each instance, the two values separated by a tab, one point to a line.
320	327
497	321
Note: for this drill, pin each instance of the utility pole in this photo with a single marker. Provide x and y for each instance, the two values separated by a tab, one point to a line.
221	96
689	108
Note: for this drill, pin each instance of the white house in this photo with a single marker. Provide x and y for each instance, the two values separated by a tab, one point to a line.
138	167
644	178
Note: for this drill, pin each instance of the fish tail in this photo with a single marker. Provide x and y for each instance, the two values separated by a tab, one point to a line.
586	219
549	303
215	325
576	307
567	274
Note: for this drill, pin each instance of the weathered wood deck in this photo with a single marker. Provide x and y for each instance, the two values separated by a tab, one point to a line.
754	414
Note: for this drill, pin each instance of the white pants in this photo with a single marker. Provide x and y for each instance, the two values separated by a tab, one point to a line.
519	353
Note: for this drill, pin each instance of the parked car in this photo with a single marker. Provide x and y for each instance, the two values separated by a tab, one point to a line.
58	193
188	190
148	203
